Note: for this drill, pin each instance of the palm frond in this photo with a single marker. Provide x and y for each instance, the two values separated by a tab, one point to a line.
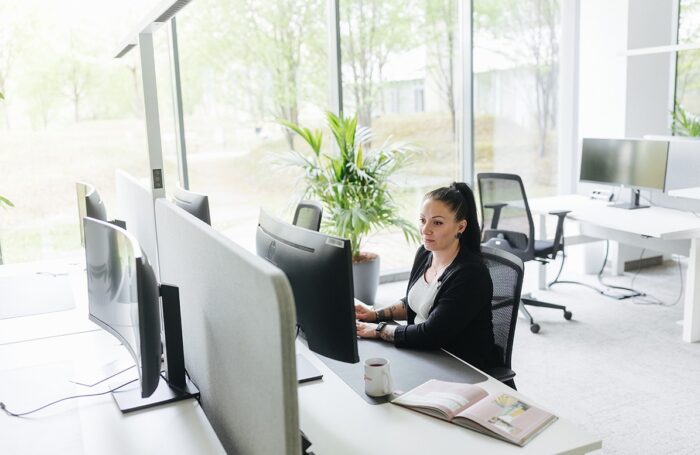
6	202
354	186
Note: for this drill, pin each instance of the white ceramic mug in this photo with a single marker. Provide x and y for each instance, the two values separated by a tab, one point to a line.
378	381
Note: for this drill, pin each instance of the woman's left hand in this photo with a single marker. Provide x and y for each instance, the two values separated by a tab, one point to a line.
366	329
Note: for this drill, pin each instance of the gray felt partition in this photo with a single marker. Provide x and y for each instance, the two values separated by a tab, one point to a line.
135	207
238	323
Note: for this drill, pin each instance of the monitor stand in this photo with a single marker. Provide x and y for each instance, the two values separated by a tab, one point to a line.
630	205
129	399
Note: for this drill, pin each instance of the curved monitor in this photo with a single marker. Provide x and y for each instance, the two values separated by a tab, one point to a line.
195	203
89	204
319	269
123	296
636	163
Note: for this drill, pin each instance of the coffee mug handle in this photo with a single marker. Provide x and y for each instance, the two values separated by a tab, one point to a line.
388	385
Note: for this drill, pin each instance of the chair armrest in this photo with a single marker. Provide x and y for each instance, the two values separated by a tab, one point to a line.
559	234
501	373
496	207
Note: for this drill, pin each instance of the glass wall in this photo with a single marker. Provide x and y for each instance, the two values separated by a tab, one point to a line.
516	65
71	112
399	70
687	103
245	64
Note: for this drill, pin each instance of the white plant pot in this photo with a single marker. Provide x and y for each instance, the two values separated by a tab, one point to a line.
365	276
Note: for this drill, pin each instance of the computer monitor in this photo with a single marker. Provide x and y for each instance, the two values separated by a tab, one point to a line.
89	204
195	203
123	299
319	269
634	163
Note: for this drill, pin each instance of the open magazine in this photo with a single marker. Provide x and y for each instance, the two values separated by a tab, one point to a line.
499	415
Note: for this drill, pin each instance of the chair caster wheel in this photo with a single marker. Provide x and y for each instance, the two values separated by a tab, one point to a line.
567	315
534	328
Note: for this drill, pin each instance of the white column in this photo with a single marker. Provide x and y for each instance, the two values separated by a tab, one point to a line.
691	309
568	141
465	108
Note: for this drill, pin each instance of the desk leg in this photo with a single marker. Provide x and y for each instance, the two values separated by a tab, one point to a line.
542	268
691	310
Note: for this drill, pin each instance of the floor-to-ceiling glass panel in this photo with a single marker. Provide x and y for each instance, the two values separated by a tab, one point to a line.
244	65
687	103
71	112
516	66
399	70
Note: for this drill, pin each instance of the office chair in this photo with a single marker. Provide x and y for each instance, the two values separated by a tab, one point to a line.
507	272
507	224
308	214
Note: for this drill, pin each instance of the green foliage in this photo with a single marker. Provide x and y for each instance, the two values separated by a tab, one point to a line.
4	202
685	123
353	184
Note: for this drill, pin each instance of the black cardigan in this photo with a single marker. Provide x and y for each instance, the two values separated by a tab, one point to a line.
460	318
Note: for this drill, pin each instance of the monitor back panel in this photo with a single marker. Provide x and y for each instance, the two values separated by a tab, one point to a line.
238	333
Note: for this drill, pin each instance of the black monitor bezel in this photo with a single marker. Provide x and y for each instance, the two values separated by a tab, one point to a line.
309	321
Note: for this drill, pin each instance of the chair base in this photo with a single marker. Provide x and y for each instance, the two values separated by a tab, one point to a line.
529	300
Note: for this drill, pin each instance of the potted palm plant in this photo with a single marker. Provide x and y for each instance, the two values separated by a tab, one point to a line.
353	185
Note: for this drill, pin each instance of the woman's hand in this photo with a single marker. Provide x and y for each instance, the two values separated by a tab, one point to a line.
365	313
366	329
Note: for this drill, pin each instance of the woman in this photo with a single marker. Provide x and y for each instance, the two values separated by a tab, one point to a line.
448	301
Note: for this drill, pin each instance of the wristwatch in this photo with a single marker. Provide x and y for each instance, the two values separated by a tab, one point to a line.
380	327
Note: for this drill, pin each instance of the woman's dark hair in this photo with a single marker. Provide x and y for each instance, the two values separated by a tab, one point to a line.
459	198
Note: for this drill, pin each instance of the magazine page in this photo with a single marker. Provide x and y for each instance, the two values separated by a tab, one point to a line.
446	398
509	417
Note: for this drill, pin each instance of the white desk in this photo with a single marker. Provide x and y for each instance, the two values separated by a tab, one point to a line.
690	193
33	373
339	422
655	228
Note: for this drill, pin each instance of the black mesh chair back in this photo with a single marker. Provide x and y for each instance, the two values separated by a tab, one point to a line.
308	214
507	272
506	218
507	225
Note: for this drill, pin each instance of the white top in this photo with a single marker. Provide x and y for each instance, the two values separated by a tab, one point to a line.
421	297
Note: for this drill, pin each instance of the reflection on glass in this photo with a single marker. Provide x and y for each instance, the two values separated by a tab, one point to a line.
516	65
245	64
400	61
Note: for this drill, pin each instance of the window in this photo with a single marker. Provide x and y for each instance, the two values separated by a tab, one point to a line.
516	60
399	62
72	112
687	103
244	64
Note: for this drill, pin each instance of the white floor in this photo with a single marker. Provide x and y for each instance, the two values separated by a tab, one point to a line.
619	369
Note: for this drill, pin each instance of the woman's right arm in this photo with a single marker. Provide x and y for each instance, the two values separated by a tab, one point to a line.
394	312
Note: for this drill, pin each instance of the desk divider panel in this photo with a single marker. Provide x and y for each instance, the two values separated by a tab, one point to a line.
135	207
238	323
